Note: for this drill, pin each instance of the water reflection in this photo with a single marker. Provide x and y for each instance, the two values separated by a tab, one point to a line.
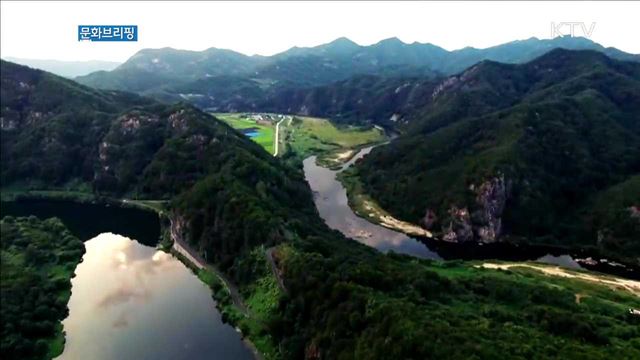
332	203
131	301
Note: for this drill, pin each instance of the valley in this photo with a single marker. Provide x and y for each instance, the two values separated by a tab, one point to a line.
300	136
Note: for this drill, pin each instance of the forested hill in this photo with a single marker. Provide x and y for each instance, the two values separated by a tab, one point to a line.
547	152
57	134
362	100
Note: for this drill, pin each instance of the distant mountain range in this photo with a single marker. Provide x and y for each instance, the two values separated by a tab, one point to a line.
204	76
68	69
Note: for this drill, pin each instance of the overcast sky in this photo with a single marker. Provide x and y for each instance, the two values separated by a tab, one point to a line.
48	30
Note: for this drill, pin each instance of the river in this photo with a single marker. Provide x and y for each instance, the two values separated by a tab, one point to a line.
130	300
330	197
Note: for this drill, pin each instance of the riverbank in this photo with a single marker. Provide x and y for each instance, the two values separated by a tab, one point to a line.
426	297
39	258
157	206
228	298
367	208
363	205
222	294
248	319
341	158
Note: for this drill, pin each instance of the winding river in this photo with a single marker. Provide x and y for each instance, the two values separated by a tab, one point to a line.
331	200
330	197
129	300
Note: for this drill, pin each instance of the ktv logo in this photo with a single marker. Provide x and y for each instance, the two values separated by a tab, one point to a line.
572	29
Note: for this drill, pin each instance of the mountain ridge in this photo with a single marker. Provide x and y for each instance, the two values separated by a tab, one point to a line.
321	65
516	152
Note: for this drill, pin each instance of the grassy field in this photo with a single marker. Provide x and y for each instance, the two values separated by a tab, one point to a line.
265	136
307	135
304	136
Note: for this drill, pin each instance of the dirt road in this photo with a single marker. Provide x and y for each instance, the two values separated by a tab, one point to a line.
613	282
185	250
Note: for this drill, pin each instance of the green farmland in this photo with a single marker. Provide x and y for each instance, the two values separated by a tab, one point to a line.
265	135
304	136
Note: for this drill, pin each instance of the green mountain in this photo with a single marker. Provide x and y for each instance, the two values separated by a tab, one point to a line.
521	51
309	292
543	152
319	65
152	68
57	134
357	100
170	74
363	99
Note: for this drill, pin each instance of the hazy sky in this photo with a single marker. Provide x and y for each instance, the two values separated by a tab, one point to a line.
48	30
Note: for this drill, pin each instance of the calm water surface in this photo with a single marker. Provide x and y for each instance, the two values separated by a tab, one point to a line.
330	198
131	301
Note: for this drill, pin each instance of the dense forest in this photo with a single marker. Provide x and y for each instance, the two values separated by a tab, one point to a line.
360	100
525	151
346	301
56	133
39	258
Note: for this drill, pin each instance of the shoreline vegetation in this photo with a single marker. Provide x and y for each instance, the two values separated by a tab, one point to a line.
251	323
246	315
232	314
264	323
248	324
335	159
615	283
367	208
39	258
82	197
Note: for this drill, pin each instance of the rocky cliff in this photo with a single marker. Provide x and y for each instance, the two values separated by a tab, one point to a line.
484	223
